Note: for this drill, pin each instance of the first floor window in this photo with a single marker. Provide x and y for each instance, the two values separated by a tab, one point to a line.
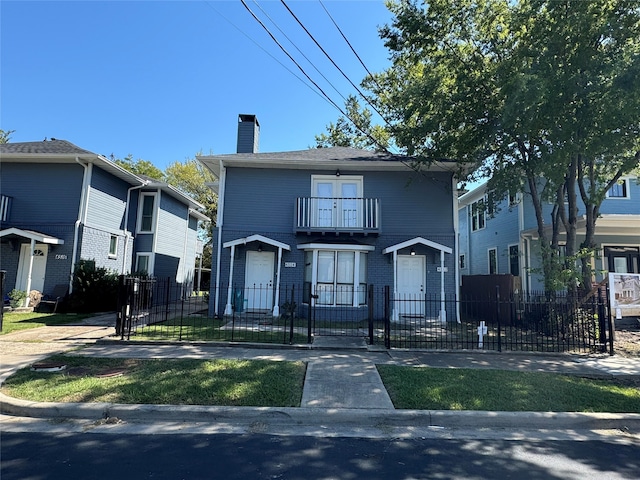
493	261
514	260
618	190
463	263
113	246
143	263
336	278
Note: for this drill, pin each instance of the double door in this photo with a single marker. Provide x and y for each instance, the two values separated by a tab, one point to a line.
338	202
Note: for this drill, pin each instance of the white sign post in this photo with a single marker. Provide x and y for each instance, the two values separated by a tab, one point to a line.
482	331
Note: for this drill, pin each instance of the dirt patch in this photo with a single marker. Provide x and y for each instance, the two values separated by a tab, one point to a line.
627	339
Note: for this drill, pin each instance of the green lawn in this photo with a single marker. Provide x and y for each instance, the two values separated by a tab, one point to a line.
474	389
13	322
258	383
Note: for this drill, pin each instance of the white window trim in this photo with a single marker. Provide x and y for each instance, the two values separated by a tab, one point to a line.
155	212
356	249
151	261
626	188
484	214
115	253
495	249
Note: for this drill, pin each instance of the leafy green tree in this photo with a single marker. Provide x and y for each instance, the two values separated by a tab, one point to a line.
5	135
539	95
140	167
355	130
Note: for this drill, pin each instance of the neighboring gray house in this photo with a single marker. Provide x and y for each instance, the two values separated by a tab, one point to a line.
331	221
506	241
61	204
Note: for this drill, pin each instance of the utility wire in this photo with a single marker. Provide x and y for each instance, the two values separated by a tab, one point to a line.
330	59
265	51
351	47
300	51
290	57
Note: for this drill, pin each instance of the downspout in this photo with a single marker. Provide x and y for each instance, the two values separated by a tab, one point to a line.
456	233
184	249
219	221
126	227
522	242
82	215
154	248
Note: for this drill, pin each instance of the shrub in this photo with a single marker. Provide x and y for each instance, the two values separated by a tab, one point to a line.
95	289
16	298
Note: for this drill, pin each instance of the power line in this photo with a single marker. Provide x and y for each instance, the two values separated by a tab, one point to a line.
265	51
331	59
300	51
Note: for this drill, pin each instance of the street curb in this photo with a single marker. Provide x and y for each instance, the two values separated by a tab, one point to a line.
295	416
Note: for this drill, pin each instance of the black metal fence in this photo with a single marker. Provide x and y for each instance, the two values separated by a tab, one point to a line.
157	309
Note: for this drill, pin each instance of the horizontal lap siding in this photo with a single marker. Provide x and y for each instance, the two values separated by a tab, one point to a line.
42	193
107	202
171	237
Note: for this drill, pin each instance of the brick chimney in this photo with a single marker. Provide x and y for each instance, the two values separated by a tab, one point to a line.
248	134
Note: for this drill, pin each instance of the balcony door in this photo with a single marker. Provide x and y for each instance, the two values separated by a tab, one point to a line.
337	201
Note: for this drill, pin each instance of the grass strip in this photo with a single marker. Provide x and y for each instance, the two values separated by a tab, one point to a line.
13	322
258	383
425	388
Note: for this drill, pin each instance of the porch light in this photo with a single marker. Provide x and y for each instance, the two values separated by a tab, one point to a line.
413	252
259	247
338	173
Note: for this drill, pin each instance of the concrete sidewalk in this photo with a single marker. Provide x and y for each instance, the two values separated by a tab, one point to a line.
342	383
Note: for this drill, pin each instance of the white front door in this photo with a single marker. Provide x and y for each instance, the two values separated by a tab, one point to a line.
258	288
39	267
411	285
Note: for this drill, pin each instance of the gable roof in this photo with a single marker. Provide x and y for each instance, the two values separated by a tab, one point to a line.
332	157
53	146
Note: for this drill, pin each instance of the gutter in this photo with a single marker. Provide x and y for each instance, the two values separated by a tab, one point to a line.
126	226
219	222
82	215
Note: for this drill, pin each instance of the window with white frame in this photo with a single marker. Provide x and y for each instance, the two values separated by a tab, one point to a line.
620	189
477	215
147	213
144	263
337	201
493	261
514	260
335	277
113	246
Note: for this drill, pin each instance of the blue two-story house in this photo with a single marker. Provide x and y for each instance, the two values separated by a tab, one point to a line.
504	241
332	221
61	204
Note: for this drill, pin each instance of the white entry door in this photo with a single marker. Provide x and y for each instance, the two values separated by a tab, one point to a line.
411	285
39	267
258	289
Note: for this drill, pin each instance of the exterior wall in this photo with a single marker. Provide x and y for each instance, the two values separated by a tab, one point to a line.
172	235
107	202
411	206
95	246
626	206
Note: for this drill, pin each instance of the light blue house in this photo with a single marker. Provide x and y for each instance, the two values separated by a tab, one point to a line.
505	241
61	204
332	221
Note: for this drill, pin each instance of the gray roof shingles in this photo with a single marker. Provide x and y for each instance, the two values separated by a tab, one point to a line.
60	147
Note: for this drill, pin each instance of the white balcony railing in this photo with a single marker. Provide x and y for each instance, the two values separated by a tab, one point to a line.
5	207
337	214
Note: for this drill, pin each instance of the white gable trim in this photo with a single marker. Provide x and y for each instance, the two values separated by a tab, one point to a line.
415	241
31	235
256	238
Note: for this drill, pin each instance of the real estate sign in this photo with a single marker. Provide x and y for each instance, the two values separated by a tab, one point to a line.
624	293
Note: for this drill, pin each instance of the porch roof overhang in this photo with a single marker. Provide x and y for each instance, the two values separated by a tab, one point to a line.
415	241
335	246
256	238
31	235
607	224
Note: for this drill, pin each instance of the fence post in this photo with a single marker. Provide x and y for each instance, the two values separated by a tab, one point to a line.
606	308
292	313
387	319
121	308
498	317
370	302
3	274
312	297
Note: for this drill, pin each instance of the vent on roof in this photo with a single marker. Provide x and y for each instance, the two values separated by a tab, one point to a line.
248	134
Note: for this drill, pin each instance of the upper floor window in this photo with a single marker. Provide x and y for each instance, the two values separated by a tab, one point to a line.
478	215
338	201
463	262
620	189
146	213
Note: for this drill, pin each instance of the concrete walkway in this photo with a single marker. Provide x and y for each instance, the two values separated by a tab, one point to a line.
341	384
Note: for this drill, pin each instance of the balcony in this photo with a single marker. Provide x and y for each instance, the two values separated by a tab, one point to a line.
339	215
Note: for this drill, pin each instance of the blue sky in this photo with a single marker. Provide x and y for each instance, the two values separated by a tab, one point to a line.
163	80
